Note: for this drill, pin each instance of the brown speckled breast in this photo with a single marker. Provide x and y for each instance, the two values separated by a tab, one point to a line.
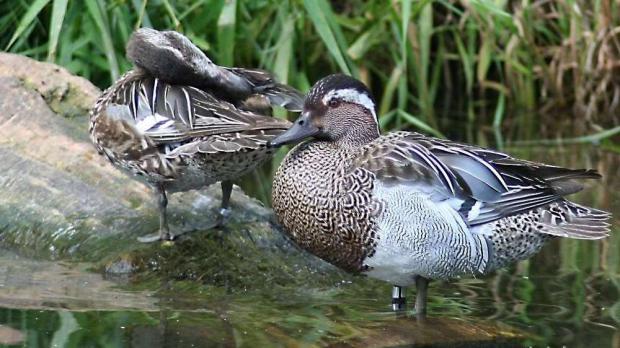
324	208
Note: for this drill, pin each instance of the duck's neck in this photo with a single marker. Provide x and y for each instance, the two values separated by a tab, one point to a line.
358	136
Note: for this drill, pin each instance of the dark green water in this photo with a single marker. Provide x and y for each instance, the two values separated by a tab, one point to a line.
569	295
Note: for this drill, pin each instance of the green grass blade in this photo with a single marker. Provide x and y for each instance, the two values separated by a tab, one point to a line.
190	10
484	57
425	32
284	51
27	19
361	45
436	70
321	25
492	10
403	83
59	9
172	15
335	24
586	139
406	16
465	61
226	33
385	119
95	10
143	17
420	124
499	111
390	88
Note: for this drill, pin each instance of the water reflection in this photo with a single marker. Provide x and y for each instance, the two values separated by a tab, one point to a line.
569	294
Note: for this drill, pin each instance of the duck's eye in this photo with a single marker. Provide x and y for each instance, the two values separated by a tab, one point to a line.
333	103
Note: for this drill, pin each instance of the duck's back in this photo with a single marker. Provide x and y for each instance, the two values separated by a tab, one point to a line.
177	134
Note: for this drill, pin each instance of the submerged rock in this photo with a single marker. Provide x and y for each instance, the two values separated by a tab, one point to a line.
435	332
10	336
32	284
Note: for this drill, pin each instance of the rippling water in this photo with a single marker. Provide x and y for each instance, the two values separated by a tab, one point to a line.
566	295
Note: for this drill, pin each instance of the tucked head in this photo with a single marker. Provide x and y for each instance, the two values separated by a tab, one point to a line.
172	57
167	54
337	108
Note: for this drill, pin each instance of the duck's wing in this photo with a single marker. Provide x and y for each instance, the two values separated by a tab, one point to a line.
173	58
482	184
172	114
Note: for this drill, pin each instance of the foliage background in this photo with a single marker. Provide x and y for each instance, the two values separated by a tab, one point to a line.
476	70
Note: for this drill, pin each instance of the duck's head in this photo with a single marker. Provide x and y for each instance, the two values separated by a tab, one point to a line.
338	108
168	55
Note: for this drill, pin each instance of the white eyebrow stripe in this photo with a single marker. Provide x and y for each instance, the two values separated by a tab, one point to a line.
353	96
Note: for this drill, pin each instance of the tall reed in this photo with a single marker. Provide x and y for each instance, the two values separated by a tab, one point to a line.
517	69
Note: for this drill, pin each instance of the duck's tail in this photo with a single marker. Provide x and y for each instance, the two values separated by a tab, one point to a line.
571	220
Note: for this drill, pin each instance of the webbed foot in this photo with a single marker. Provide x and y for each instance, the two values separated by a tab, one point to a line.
157	237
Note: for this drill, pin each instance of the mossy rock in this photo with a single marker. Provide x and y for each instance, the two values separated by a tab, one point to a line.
61	200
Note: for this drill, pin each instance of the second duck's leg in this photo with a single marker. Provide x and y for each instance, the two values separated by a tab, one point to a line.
162	203
224	213
421	285
164	229
399	301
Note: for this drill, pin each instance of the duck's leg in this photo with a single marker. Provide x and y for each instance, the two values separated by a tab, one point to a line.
224	213
399	301
162	204
164	230
421	285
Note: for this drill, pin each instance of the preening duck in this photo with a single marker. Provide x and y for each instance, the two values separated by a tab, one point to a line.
407	208
179	122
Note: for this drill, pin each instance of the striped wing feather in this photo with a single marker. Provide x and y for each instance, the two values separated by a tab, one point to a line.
172	114
497	184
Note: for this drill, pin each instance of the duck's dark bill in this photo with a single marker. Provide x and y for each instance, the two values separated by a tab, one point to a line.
300	130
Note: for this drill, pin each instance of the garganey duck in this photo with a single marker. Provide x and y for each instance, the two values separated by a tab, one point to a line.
407	208
179	122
